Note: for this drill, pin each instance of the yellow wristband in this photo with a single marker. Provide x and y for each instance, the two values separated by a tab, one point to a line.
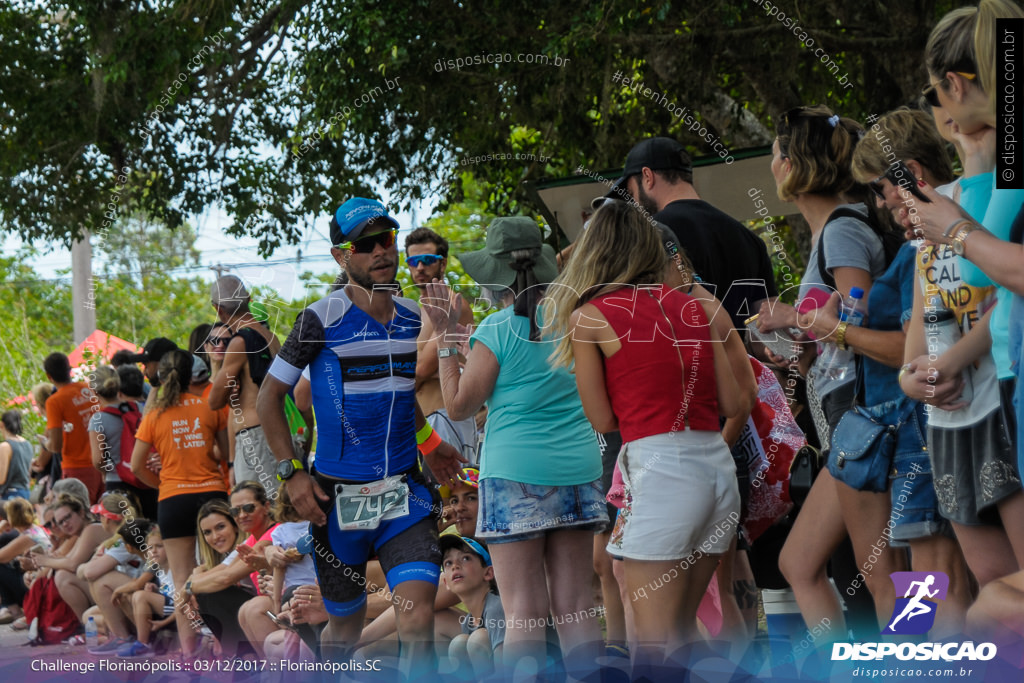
424	434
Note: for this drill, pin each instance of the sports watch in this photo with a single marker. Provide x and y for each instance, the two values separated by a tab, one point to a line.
286	469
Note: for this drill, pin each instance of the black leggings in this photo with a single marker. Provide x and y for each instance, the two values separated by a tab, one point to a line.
220	612
12	586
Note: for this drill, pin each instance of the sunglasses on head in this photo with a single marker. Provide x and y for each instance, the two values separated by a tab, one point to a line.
423	259
366	245
931	93
900	175
248	509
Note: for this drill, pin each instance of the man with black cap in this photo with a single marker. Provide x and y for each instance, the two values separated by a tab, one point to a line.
237	382
659	177
366	493
150	357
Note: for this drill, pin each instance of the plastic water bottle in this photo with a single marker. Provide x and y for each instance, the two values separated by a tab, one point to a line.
941	332
92	639
835	361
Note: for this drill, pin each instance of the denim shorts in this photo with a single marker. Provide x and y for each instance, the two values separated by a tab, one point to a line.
915	508
514	511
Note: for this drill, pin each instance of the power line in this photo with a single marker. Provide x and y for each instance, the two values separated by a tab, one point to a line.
180	269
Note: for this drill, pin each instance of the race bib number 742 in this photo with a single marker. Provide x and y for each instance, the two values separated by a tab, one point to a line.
363	506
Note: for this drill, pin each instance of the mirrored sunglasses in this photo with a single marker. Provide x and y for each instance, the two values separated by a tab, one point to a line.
366	245
423	259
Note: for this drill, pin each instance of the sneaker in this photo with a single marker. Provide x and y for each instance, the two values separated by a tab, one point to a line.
135	649
110	647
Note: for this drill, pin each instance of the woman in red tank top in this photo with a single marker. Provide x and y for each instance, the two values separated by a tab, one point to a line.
649	364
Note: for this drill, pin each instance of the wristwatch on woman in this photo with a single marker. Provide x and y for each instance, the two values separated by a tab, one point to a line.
961	234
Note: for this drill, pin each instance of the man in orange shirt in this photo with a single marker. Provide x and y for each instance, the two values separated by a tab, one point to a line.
67	418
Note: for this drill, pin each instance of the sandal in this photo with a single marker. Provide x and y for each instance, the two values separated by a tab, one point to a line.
77	639
5	616
20	624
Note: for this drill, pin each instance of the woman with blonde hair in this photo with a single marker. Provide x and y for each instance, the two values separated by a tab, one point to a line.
221	591
184	431
73	518
648	363
217	533
22	518
986	230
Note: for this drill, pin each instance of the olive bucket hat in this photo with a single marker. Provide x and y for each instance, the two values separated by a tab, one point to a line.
491	265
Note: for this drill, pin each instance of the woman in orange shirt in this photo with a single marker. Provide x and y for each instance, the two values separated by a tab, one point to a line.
184	431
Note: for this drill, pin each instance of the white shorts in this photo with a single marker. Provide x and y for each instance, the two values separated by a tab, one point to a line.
681	497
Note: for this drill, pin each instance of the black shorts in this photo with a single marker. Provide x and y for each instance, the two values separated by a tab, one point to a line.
177	515
610	444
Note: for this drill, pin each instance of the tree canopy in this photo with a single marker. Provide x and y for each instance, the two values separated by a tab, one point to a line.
279	109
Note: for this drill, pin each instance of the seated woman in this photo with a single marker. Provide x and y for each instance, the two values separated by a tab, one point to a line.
22	520
221	590
114	565
292	563
73	519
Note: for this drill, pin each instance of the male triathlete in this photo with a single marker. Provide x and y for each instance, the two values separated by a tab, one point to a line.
365	493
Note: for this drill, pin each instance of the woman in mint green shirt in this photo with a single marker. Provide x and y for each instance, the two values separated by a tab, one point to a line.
541	499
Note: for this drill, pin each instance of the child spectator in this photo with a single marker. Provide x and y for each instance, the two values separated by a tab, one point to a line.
290	558
151	603
467	572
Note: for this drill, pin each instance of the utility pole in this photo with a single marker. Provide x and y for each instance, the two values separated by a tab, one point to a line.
83	290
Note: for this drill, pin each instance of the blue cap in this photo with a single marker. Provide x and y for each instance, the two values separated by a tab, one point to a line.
353	216
449	541
856	292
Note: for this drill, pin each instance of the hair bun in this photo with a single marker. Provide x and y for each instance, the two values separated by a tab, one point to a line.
523	259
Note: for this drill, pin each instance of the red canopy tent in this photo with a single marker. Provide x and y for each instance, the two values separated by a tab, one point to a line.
99	344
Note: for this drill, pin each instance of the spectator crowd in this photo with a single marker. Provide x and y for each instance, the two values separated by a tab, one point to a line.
608	465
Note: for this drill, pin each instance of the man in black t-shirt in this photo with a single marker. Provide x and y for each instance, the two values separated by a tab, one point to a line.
659	177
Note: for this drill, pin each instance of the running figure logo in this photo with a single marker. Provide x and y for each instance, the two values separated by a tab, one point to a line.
914	613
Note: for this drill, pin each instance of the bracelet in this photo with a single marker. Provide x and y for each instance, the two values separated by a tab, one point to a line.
424	433
948	232
841	335
432	442
903	370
